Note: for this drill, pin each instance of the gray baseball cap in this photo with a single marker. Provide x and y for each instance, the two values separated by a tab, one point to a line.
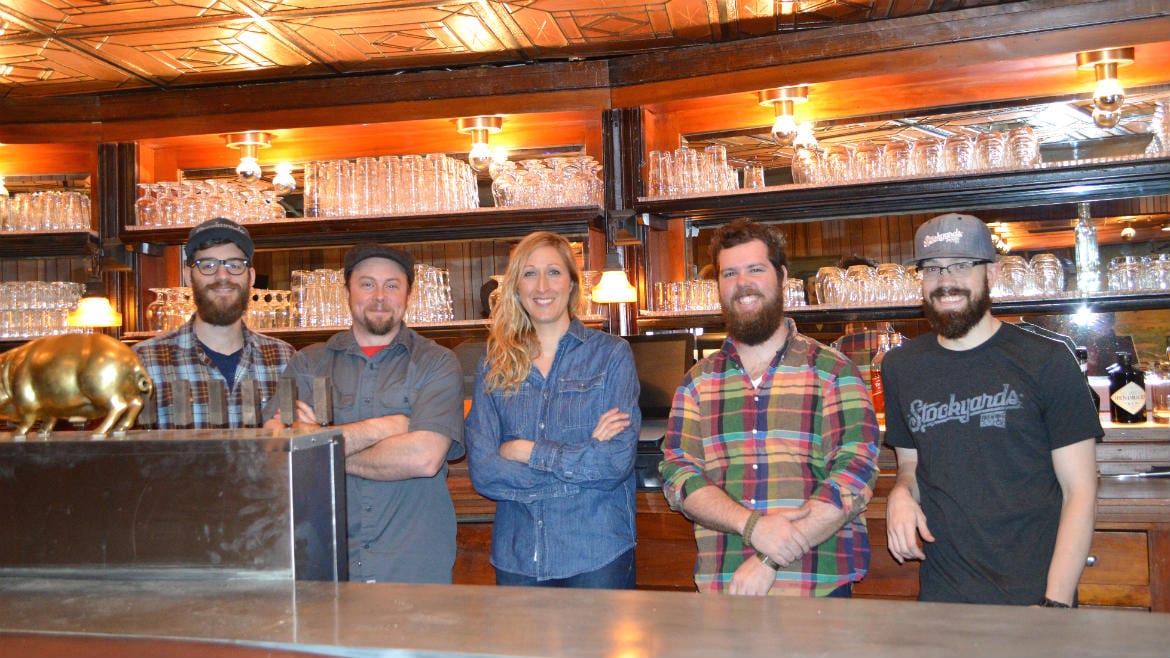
216	230
952	236
364	250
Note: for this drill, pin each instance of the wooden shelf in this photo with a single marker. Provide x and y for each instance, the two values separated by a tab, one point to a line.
1053	184
483	223
1100	303
48	244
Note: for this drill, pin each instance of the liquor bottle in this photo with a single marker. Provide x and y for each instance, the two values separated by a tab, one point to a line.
1088	257
1127	391
876	388
1083	360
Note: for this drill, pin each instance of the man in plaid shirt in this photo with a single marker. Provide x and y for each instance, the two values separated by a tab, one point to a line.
215	343
771	447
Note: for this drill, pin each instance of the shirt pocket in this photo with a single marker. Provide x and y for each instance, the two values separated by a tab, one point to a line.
578	401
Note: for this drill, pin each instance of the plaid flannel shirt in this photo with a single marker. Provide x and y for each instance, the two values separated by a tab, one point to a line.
177	355
807	433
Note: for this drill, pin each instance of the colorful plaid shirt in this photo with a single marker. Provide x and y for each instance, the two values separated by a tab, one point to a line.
177	355
807	433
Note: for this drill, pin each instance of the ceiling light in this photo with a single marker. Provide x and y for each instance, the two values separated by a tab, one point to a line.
1108	96
783	101
1128	232
479	127
248	142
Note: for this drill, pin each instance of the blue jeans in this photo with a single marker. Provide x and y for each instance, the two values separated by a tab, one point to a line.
618	574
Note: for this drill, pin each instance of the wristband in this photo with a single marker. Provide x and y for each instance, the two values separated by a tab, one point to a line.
768	562
750	527
1049	603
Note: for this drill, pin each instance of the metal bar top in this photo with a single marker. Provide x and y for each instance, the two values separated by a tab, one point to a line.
356	619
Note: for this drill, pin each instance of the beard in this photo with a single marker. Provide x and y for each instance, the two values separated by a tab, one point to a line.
220	312
377	327
753	328
956	324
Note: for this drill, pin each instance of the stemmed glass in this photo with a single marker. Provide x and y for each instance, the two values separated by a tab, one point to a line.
144	206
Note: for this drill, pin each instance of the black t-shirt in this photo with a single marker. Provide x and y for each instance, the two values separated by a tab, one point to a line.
985	422
225	363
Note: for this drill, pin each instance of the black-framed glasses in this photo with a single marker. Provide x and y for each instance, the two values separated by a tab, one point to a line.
960	268
209	266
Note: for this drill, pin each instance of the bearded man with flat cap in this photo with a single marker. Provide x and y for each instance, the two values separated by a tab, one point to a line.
398	401
214	344
994	433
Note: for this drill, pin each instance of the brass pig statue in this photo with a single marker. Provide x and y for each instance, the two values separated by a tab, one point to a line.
86	375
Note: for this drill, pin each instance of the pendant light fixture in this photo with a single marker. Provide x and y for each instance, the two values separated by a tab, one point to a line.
783	101
1108	95
248	143
479	127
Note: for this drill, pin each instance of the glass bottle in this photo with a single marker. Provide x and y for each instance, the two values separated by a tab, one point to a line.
1088	257
877	389
1083	361
1127	391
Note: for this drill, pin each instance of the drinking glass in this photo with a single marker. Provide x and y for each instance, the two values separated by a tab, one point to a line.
859	285
806	164
989	150
959	154
838	164
928	157
867	161
1125	273
1048	273
753	176
830	285
1015	277
896	160
1156	272
1023	149
889	283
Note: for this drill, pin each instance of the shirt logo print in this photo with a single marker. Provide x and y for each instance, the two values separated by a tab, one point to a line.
991	410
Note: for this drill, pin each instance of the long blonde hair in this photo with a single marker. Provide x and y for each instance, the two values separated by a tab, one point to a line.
512	342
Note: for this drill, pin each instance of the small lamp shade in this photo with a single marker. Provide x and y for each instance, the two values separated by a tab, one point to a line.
94	312
614	287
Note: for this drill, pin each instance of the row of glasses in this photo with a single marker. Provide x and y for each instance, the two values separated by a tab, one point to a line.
169	309
430	296
389	185
547	182
691	171
270	309
1139	273
318	297
191	202
29	309
955	155
1040	276
689	295
45	211
888	284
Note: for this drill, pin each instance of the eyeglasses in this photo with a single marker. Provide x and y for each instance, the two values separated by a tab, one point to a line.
209	266
960	268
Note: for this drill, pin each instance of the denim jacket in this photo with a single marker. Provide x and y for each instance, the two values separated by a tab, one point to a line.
570	509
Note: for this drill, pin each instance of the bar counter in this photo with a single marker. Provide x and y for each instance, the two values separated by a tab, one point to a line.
355	619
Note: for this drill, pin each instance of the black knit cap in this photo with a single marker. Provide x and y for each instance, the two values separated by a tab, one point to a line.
364	250
217	230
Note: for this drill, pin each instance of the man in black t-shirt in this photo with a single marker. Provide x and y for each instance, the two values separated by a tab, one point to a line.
994	437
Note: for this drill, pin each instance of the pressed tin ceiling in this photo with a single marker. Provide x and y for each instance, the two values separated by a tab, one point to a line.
65	47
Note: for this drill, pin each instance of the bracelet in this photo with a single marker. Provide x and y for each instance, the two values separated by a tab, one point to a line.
1049	603
750	527
768	562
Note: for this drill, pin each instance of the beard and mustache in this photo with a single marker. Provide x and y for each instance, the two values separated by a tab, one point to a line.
955	324
753	328
217	311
